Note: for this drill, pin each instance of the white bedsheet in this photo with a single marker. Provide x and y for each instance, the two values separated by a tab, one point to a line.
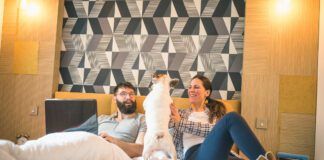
63	146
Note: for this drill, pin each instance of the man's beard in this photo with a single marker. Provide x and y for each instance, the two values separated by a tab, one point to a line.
126	108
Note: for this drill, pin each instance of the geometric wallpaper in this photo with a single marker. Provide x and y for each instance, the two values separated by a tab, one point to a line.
107	42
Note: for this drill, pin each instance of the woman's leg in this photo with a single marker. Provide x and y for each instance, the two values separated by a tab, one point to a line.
232	127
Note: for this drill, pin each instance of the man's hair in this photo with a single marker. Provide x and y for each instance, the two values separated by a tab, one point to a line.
124	85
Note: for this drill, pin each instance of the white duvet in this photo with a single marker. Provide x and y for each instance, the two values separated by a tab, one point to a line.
63	146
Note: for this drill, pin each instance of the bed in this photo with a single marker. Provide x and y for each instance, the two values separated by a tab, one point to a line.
82	145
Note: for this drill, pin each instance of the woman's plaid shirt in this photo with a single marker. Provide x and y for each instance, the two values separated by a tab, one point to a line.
195	128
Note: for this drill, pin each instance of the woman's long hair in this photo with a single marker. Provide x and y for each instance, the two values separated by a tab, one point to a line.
216	109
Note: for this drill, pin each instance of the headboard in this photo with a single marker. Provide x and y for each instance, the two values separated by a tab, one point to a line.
106	104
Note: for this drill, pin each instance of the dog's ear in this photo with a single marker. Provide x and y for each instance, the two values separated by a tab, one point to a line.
174	82
155	77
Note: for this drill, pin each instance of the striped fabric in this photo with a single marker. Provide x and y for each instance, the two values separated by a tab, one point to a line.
190	127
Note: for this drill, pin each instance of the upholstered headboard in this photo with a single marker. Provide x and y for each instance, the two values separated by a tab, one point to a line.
106	104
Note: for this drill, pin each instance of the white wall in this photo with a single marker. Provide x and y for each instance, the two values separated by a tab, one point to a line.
1	20
319	154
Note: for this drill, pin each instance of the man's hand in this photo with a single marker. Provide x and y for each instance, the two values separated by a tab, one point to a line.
107	137
174	113
131	149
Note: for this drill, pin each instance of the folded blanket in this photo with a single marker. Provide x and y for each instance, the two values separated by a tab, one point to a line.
63	146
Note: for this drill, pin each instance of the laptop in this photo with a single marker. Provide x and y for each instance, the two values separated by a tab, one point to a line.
71	115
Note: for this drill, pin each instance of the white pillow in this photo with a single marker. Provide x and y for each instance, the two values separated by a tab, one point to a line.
6	148
69	146
6	156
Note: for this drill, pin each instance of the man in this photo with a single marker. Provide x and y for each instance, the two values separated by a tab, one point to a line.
126	128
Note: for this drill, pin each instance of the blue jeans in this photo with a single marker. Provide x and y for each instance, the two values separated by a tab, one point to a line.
217	145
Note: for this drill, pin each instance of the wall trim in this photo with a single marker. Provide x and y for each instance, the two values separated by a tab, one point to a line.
319	142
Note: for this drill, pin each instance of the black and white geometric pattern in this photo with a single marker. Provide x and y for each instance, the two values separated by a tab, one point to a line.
110	41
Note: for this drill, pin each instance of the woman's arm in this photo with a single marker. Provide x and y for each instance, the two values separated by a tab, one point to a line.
175	116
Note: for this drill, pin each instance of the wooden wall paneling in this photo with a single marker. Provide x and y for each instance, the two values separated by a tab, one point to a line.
297	94
49	55
46	56
256	38
8	35
32	90
295	54
6	57
49	20
297	133
259	84
294	40
262	102
1	20
2	79
39	121
25	59
8	112
274	46
26	88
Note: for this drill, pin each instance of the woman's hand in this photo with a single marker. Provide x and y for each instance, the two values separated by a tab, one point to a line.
175	116
107	137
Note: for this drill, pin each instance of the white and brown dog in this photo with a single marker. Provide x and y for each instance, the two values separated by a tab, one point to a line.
158	142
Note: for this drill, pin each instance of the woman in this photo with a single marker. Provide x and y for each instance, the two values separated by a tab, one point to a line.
196	135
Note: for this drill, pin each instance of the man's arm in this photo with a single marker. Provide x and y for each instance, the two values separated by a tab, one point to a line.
131	149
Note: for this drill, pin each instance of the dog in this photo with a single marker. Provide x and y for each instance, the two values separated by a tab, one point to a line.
158	143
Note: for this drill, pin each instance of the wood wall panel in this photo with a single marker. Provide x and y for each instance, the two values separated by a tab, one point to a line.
7	114
297	94
20	93
277	45
260	104
256	39
46	65
8	35
297	133
1	20
294	40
